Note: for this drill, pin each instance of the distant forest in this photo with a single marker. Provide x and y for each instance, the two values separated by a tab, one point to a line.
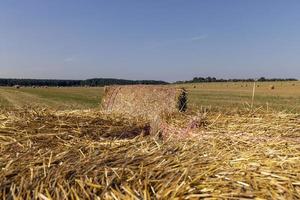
67	83
213	79
111	81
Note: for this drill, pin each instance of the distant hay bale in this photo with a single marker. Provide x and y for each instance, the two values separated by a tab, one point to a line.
17	86
144	100
272	87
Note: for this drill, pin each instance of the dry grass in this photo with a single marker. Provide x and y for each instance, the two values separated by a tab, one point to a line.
46	154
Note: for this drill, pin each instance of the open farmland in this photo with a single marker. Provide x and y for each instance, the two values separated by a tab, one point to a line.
52	97
216	96
55	143
233	96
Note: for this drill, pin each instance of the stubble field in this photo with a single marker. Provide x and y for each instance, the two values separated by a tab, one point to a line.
55	143
216	96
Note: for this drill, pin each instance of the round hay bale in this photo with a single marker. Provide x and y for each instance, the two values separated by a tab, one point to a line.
272	87
144	100
106	89
17	86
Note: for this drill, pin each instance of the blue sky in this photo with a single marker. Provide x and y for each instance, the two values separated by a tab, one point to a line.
149	39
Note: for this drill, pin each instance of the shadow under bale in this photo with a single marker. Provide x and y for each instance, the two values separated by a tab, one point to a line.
45	126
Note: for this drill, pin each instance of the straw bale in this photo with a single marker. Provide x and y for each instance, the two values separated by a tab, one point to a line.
146	101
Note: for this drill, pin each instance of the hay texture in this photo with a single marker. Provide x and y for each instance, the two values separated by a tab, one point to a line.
79	155
144	101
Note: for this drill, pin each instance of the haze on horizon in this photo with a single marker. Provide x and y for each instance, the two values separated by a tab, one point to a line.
161	39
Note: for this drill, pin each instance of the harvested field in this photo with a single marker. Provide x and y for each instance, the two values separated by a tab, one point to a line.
220	148
47	154
222	97
55	98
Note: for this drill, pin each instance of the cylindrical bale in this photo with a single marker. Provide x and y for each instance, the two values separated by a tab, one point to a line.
144	100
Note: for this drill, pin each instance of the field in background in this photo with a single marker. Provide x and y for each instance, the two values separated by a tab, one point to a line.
57	98
233	96
216	96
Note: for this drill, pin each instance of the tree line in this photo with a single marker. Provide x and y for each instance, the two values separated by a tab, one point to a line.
68	83
213	79
111	81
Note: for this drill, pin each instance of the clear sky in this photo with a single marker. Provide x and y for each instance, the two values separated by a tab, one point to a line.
149	39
